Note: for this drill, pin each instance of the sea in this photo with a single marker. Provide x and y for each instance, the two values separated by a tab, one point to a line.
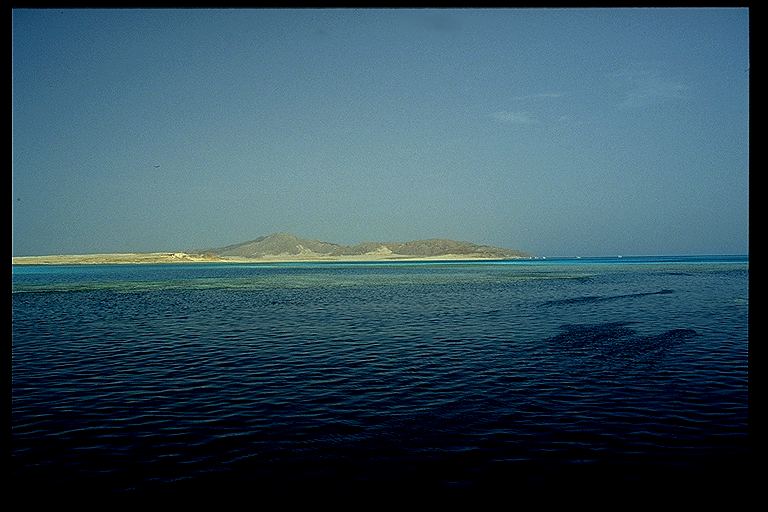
441	378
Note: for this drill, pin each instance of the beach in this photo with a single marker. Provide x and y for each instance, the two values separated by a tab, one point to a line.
182	257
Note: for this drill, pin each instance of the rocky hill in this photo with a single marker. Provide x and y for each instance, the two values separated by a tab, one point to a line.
287	247
286	244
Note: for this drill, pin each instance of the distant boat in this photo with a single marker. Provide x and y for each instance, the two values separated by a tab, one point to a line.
619	256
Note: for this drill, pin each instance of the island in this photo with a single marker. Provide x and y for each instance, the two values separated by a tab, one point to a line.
286	247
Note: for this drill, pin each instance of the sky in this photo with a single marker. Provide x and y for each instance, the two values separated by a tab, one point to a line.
560	132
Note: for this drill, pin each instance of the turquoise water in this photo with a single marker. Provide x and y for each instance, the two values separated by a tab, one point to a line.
448	376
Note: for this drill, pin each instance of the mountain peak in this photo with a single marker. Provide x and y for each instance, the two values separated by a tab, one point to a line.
281	235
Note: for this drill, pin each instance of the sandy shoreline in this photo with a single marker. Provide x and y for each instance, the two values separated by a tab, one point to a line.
180	257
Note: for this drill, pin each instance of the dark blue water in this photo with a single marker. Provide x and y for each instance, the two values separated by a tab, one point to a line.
145	379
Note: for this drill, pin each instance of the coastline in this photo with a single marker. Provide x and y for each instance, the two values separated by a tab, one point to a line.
181	257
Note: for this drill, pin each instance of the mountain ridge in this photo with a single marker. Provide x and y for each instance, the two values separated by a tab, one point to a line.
288	244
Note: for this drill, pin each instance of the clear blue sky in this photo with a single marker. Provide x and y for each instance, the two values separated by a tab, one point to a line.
555	131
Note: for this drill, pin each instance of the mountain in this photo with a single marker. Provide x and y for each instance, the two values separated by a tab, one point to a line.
274	245
286	244
288	247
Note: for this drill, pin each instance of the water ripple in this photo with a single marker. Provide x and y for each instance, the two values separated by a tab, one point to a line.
372	375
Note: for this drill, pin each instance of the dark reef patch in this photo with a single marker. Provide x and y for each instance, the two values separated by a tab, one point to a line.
603	298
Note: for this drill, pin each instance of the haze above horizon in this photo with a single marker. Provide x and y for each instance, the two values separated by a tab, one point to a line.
552	131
